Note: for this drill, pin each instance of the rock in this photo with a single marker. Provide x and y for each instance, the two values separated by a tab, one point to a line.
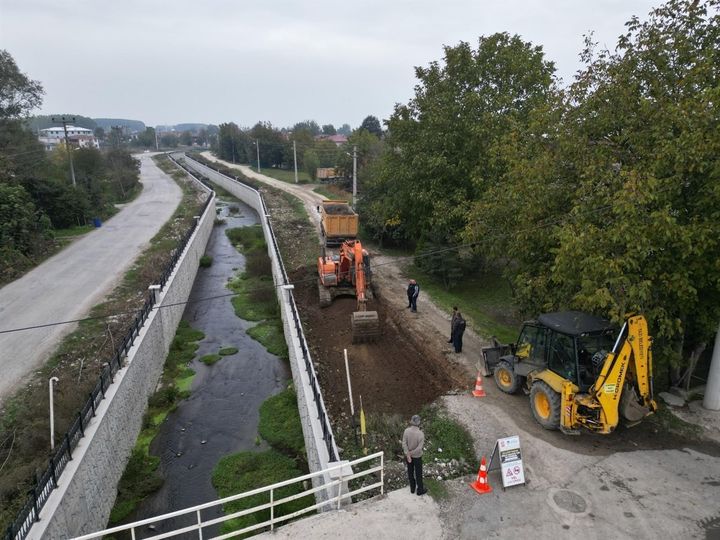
203	441
672	399
439	449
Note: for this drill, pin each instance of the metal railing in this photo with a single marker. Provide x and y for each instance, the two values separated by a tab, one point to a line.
328	436
194	514
46	482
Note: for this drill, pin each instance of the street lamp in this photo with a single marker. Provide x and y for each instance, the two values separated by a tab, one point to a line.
52	412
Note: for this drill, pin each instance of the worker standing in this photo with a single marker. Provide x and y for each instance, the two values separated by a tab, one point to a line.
452	323
413	291
412	443
457	332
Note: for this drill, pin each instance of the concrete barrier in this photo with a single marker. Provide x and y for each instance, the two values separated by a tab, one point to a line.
320	443
86	490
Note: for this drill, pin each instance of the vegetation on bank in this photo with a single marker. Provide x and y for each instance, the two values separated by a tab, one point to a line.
280	427
141	478
255	298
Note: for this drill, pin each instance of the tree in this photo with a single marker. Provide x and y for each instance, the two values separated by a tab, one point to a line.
307	125
312	162
441	147
372	125
186	138
18	93
146	139
169	140
345	129
275	150
329	129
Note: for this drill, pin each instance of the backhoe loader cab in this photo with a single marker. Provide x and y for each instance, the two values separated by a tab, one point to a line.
579	370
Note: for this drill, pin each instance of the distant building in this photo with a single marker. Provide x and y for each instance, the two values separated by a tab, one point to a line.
77	136
339	140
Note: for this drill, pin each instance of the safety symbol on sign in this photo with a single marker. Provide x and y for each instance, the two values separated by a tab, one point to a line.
511	465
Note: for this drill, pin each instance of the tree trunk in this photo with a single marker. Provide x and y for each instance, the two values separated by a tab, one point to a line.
694	357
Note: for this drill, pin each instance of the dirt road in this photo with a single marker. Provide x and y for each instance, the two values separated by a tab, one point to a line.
69	284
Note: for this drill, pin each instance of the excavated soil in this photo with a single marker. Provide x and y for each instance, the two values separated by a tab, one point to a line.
397	374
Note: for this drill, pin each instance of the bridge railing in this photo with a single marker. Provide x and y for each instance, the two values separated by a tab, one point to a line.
200	517
47	481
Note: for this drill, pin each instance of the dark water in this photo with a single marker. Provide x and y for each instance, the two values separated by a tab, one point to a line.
221	415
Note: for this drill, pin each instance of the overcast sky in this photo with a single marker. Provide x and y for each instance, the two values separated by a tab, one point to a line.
212	61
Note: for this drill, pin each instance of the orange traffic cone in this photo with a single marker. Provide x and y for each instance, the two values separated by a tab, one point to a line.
481	485
478	392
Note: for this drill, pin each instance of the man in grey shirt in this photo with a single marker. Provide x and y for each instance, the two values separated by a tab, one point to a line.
412	443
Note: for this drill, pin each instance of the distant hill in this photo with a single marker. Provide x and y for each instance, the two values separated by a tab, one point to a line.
43	121
134	126
190	127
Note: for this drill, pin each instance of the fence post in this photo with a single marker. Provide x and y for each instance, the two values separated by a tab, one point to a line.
67	443
35	501
52	470
80	419
272	509
92	401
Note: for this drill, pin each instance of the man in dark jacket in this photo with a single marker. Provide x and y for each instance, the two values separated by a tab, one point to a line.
458	330
452	323
413	291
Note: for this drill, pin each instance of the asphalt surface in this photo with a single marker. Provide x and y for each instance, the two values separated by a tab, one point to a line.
69	284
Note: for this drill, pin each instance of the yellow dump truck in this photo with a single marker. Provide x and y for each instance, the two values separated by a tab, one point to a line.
338	222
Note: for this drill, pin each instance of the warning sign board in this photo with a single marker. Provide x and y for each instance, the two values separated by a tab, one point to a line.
511	466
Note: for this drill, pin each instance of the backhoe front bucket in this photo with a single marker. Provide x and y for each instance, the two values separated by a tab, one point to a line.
365	326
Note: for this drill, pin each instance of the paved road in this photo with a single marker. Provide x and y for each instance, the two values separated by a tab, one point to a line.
69	284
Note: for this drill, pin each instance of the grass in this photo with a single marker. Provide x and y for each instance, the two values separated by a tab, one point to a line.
445	439
227	351
210	359
206	261
280	423
73	231
254	289
141	478
665	420
335	194
285	175
485	300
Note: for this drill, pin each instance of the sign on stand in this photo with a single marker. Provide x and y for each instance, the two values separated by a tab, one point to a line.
507	451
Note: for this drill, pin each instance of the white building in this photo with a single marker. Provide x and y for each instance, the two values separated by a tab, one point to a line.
78	136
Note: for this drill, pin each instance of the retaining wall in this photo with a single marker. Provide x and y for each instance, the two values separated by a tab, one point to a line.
319	442
87	488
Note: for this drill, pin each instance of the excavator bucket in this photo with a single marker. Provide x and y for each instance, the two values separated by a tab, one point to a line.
365	326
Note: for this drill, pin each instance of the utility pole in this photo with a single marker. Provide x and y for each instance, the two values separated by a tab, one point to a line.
295	156
64	122
157	146
354	200
257	144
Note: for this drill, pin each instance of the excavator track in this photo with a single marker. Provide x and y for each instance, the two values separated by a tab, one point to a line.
365	326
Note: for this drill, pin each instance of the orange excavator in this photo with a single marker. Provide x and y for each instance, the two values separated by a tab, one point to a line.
348	273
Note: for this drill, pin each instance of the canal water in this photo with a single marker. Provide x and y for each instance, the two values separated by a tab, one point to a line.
221	415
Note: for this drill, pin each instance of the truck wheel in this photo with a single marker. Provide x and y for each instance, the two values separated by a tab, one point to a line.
545	405
505	378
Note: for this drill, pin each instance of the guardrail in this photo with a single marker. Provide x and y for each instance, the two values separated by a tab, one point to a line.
194	513
46	482
328	436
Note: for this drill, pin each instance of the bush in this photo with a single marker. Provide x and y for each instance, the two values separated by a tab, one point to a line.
206	261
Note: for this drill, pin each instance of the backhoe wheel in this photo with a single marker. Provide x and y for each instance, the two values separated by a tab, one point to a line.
545	405
505	378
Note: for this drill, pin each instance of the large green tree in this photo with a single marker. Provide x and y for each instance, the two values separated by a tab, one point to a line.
442	146
612	203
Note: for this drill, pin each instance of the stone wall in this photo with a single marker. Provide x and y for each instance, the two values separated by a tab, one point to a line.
87	488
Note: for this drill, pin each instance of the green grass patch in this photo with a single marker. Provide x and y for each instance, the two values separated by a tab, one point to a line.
665	420
285	175
484	300
246	471
270	334
280	423
227	351
333	194
445	439
206	261
254	298
437	489
210	359
73	231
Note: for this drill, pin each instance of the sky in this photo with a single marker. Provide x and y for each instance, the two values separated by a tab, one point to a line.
282	61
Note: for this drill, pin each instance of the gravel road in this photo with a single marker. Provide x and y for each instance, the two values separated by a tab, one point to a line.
69	284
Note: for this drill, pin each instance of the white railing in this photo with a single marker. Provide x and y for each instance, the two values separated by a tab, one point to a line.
342	494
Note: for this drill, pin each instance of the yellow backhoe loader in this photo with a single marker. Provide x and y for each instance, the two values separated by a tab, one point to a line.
578	371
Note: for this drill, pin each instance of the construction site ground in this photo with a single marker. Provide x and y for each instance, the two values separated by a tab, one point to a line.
660	479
